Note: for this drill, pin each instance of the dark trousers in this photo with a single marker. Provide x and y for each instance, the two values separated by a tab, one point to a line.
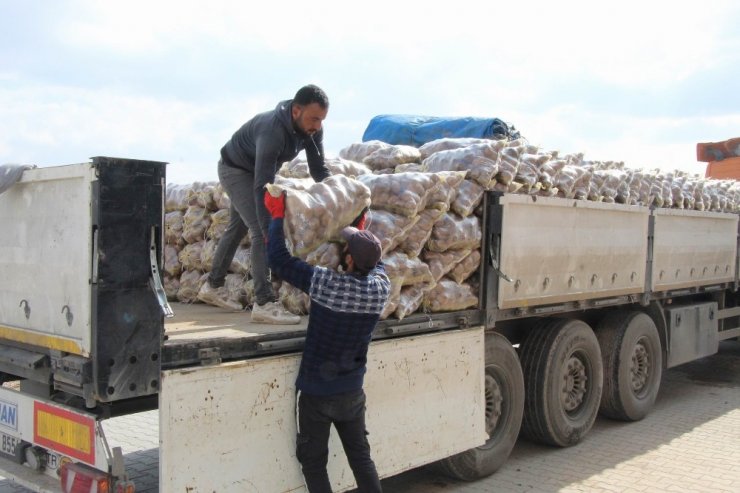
315	415
247	213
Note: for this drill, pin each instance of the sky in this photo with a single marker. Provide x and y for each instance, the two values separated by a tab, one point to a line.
634	81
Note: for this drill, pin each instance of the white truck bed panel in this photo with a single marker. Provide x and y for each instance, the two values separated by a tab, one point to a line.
240	416
693	248
48	260
559	250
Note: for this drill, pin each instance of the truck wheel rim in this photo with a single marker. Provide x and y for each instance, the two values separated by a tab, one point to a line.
574	384
494	400
640	367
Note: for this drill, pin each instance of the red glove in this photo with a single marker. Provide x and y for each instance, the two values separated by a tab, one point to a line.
360	220
275	205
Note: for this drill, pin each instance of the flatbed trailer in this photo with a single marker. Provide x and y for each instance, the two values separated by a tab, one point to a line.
599	296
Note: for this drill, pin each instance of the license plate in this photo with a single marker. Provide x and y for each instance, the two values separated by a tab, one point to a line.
9	443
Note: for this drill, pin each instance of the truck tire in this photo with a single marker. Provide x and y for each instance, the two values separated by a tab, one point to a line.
633	365
504	400
563	378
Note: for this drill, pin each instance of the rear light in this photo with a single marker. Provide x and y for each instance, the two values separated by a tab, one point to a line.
124	487
78	478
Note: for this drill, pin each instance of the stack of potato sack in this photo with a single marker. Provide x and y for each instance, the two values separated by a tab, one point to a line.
425	207
196	216
425	220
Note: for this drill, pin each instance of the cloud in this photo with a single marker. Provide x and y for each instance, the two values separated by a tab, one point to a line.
50	125
172	80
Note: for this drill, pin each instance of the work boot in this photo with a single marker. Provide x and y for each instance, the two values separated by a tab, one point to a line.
218	297
273	313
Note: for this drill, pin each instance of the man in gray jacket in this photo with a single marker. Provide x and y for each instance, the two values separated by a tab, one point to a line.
249	161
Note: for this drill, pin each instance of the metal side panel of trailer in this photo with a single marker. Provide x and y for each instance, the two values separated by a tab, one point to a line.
693	248
45	250
231	426
556	250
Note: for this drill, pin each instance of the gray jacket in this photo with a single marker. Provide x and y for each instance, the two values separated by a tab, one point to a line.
266	141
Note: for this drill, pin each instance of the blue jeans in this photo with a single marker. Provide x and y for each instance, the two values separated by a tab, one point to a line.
247	213
315	415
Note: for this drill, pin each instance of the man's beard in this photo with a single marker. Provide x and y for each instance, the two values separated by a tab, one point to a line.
297	125
343	261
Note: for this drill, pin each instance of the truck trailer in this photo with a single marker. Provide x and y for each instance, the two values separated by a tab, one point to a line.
581	306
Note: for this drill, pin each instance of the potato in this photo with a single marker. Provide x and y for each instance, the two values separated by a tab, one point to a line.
242	261
175	197
392	156
403	193
390	228
442	196
447	143
294	300
190	256
407	270
236	291
206	255
172	265
171	287
358	151
316	215
173	224
195	223
448	295
414	239
410	299
469	195
480	160
393	299
454	232
219	222
298	168
440	263
190	283
467	267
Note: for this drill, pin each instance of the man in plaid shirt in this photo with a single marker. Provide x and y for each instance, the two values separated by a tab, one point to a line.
345	308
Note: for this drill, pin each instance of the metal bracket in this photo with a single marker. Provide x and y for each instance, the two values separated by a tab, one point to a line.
209	356
156	280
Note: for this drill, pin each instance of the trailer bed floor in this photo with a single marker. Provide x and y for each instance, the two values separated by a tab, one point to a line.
193	321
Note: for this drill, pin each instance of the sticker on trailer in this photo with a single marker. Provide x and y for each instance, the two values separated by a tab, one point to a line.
9	415
64	431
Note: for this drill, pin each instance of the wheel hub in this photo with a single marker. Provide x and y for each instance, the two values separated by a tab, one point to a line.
574	384
639	368
494	401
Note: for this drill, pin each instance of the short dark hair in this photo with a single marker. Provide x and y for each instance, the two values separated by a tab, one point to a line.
311	94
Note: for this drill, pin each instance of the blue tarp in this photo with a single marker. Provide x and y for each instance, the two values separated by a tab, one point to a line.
417	130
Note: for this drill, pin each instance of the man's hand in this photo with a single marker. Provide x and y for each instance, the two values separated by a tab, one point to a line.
359	221
275	205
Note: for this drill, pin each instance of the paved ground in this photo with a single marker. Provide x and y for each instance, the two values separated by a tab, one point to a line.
689	443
